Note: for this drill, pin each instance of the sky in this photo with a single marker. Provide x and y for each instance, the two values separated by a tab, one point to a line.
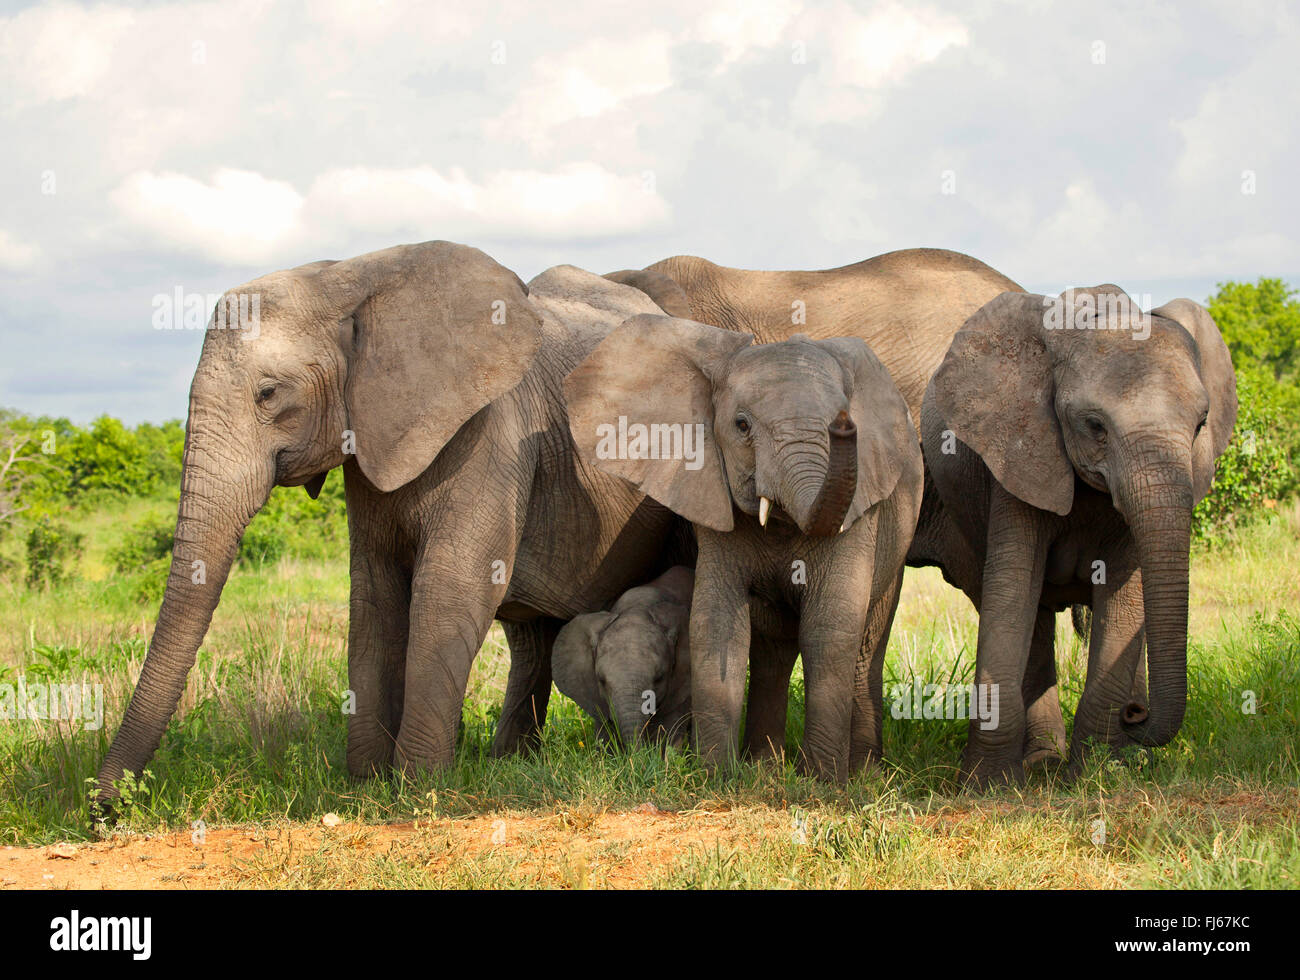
193	146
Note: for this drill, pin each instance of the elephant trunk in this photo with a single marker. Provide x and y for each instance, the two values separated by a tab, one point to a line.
1159	518
213	512
826	512
631	719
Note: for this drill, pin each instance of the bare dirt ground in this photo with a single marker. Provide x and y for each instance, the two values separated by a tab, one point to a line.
1007	844
621	850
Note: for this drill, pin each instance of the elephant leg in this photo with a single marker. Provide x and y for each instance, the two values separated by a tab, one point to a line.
1012	585
528	688
377	639
832	623
1044	726
720	634
866	735
450	618
1114	652
771	662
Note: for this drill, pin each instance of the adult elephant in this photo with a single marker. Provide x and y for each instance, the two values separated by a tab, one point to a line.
1068	439
432	375
906	305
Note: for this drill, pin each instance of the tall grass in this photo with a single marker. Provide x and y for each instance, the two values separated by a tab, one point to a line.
260	737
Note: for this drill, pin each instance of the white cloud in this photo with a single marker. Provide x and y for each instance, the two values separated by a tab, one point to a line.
584	81
243	218
16	256
742	25
58	51
852	55
240	217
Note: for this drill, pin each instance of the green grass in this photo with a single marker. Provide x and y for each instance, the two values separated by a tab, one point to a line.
260	740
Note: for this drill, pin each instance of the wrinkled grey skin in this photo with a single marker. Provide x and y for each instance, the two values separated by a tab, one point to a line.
1052	450
906	305
823	575
465	499
630	667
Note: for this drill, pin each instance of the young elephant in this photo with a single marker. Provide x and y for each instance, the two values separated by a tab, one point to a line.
1068	439
798	465
630	667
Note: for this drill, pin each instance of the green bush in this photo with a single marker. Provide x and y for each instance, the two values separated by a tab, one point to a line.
52	550
1255	471
144	543
292	524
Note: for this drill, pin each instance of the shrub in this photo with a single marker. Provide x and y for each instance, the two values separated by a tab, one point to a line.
1255	470
292	523
145	542
52	550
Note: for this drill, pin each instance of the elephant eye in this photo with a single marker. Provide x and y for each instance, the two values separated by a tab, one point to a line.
265	392
1200	426
1095	427
742	424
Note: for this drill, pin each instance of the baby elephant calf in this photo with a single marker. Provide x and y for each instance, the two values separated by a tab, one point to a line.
630	667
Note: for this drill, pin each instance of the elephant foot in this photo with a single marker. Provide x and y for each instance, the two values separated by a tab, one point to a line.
1044	752
864	758
823	769
514	740
1045	762
413	758
980	774
765	749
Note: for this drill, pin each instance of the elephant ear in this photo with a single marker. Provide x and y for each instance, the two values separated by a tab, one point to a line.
666	293
573	661
1220	385
432	333
887	440
995	392
673	616
656	370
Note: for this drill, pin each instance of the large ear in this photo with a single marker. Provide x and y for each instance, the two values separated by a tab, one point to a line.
656	370
573	661
887	440
995	391
432	333
669	296
678	699
1220	384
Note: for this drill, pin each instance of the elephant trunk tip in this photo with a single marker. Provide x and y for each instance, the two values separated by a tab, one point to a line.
1134	713
842	427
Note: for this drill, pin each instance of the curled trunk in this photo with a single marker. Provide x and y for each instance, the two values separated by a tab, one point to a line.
827	511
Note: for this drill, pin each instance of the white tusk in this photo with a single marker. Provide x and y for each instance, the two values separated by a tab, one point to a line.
844	527
764	505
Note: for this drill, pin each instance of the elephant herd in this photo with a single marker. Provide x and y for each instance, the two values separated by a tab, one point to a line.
666	483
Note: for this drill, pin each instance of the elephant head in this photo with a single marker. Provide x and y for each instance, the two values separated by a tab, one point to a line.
1136	405
809	433
631	666
385	355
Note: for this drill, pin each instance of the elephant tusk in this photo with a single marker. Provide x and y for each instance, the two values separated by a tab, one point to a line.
764	505
845	526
